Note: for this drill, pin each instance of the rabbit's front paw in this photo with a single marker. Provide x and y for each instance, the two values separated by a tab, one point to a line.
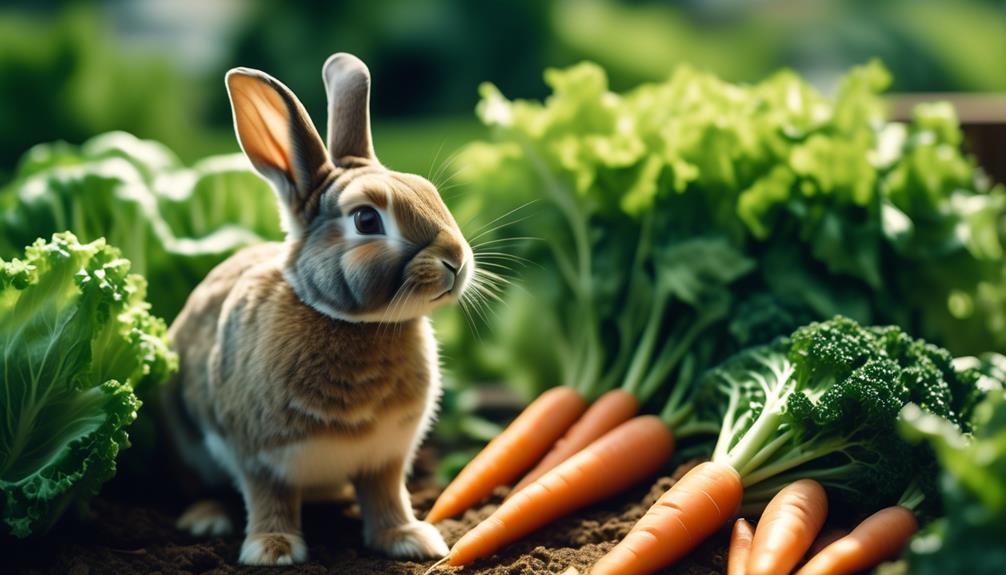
273	549
415	540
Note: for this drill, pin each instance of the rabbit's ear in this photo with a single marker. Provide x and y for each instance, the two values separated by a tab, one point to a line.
279	138
347	83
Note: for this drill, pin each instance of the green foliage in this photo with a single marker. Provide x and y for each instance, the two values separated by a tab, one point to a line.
78	341
816	202
931	45
69	77
969	538
173	223
824	404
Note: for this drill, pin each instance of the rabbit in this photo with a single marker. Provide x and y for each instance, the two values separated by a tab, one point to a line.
311	364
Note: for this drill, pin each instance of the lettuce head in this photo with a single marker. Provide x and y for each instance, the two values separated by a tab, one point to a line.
77	342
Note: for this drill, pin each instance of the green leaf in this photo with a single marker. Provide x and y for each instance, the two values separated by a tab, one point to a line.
77	340
693	268
968	539
173	223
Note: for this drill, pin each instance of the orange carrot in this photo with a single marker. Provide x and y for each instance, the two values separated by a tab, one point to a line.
623	457
740	547
878	538
512	452
685	515
823	540
787	528
610	410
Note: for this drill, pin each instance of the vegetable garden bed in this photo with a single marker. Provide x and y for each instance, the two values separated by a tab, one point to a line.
134	534
683	224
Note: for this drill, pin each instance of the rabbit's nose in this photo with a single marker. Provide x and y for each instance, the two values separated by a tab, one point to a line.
452	276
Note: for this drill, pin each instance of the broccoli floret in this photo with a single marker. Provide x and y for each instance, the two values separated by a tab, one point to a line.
869	396
927	370
824	404
827	351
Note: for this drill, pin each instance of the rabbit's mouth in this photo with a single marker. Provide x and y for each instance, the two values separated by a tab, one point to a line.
445	294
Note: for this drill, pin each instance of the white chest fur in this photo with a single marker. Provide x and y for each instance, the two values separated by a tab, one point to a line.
328	460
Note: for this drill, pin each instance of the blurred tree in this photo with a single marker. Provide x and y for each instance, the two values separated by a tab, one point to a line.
427	56
65	77
72	69
929	45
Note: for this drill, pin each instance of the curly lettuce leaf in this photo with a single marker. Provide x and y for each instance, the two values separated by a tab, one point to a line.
173	223
77	341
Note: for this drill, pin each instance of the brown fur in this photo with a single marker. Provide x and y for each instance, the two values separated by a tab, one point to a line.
310	363
294	355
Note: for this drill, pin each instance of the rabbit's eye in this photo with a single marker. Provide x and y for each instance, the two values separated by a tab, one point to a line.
368	221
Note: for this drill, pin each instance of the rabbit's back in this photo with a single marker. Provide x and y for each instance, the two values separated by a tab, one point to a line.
194	331
193	335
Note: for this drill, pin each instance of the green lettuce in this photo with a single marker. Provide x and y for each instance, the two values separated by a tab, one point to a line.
813	204
78	343
173	223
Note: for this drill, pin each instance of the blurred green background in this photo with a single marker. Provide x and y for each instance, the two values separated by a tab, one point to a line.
73	69
154	67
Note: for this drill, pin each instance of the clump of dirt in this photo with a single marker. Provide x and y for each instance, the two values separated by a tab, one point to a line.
136	534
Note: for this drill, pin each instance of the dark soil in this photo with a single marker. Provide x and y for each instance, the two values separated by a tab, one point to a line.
132	533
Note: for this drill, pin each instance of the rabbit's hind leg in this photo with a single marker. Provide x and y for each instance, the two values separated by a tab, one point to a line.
206	518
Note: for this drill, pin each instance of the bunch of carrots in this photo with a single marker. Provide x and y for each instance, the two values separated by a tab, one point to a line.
788	534
789	528
794	421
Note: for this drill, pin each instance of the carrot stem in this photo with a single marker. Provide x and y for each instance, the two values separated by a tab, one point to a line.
641	359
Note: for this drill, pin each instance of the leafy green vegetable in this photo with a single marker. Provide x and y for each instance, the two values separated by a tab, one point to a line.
969	539
174	224
824	404
813	202
77	342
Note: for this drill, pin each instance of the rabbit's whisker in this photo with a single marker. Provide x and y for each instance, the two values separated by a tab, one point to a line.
446	184
499	266
389	309
494	220
497	281
402	303
468	317
433	162
489	302
447	164
497	285
501	226
519	260
479	305
487	291
482	230
505	240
